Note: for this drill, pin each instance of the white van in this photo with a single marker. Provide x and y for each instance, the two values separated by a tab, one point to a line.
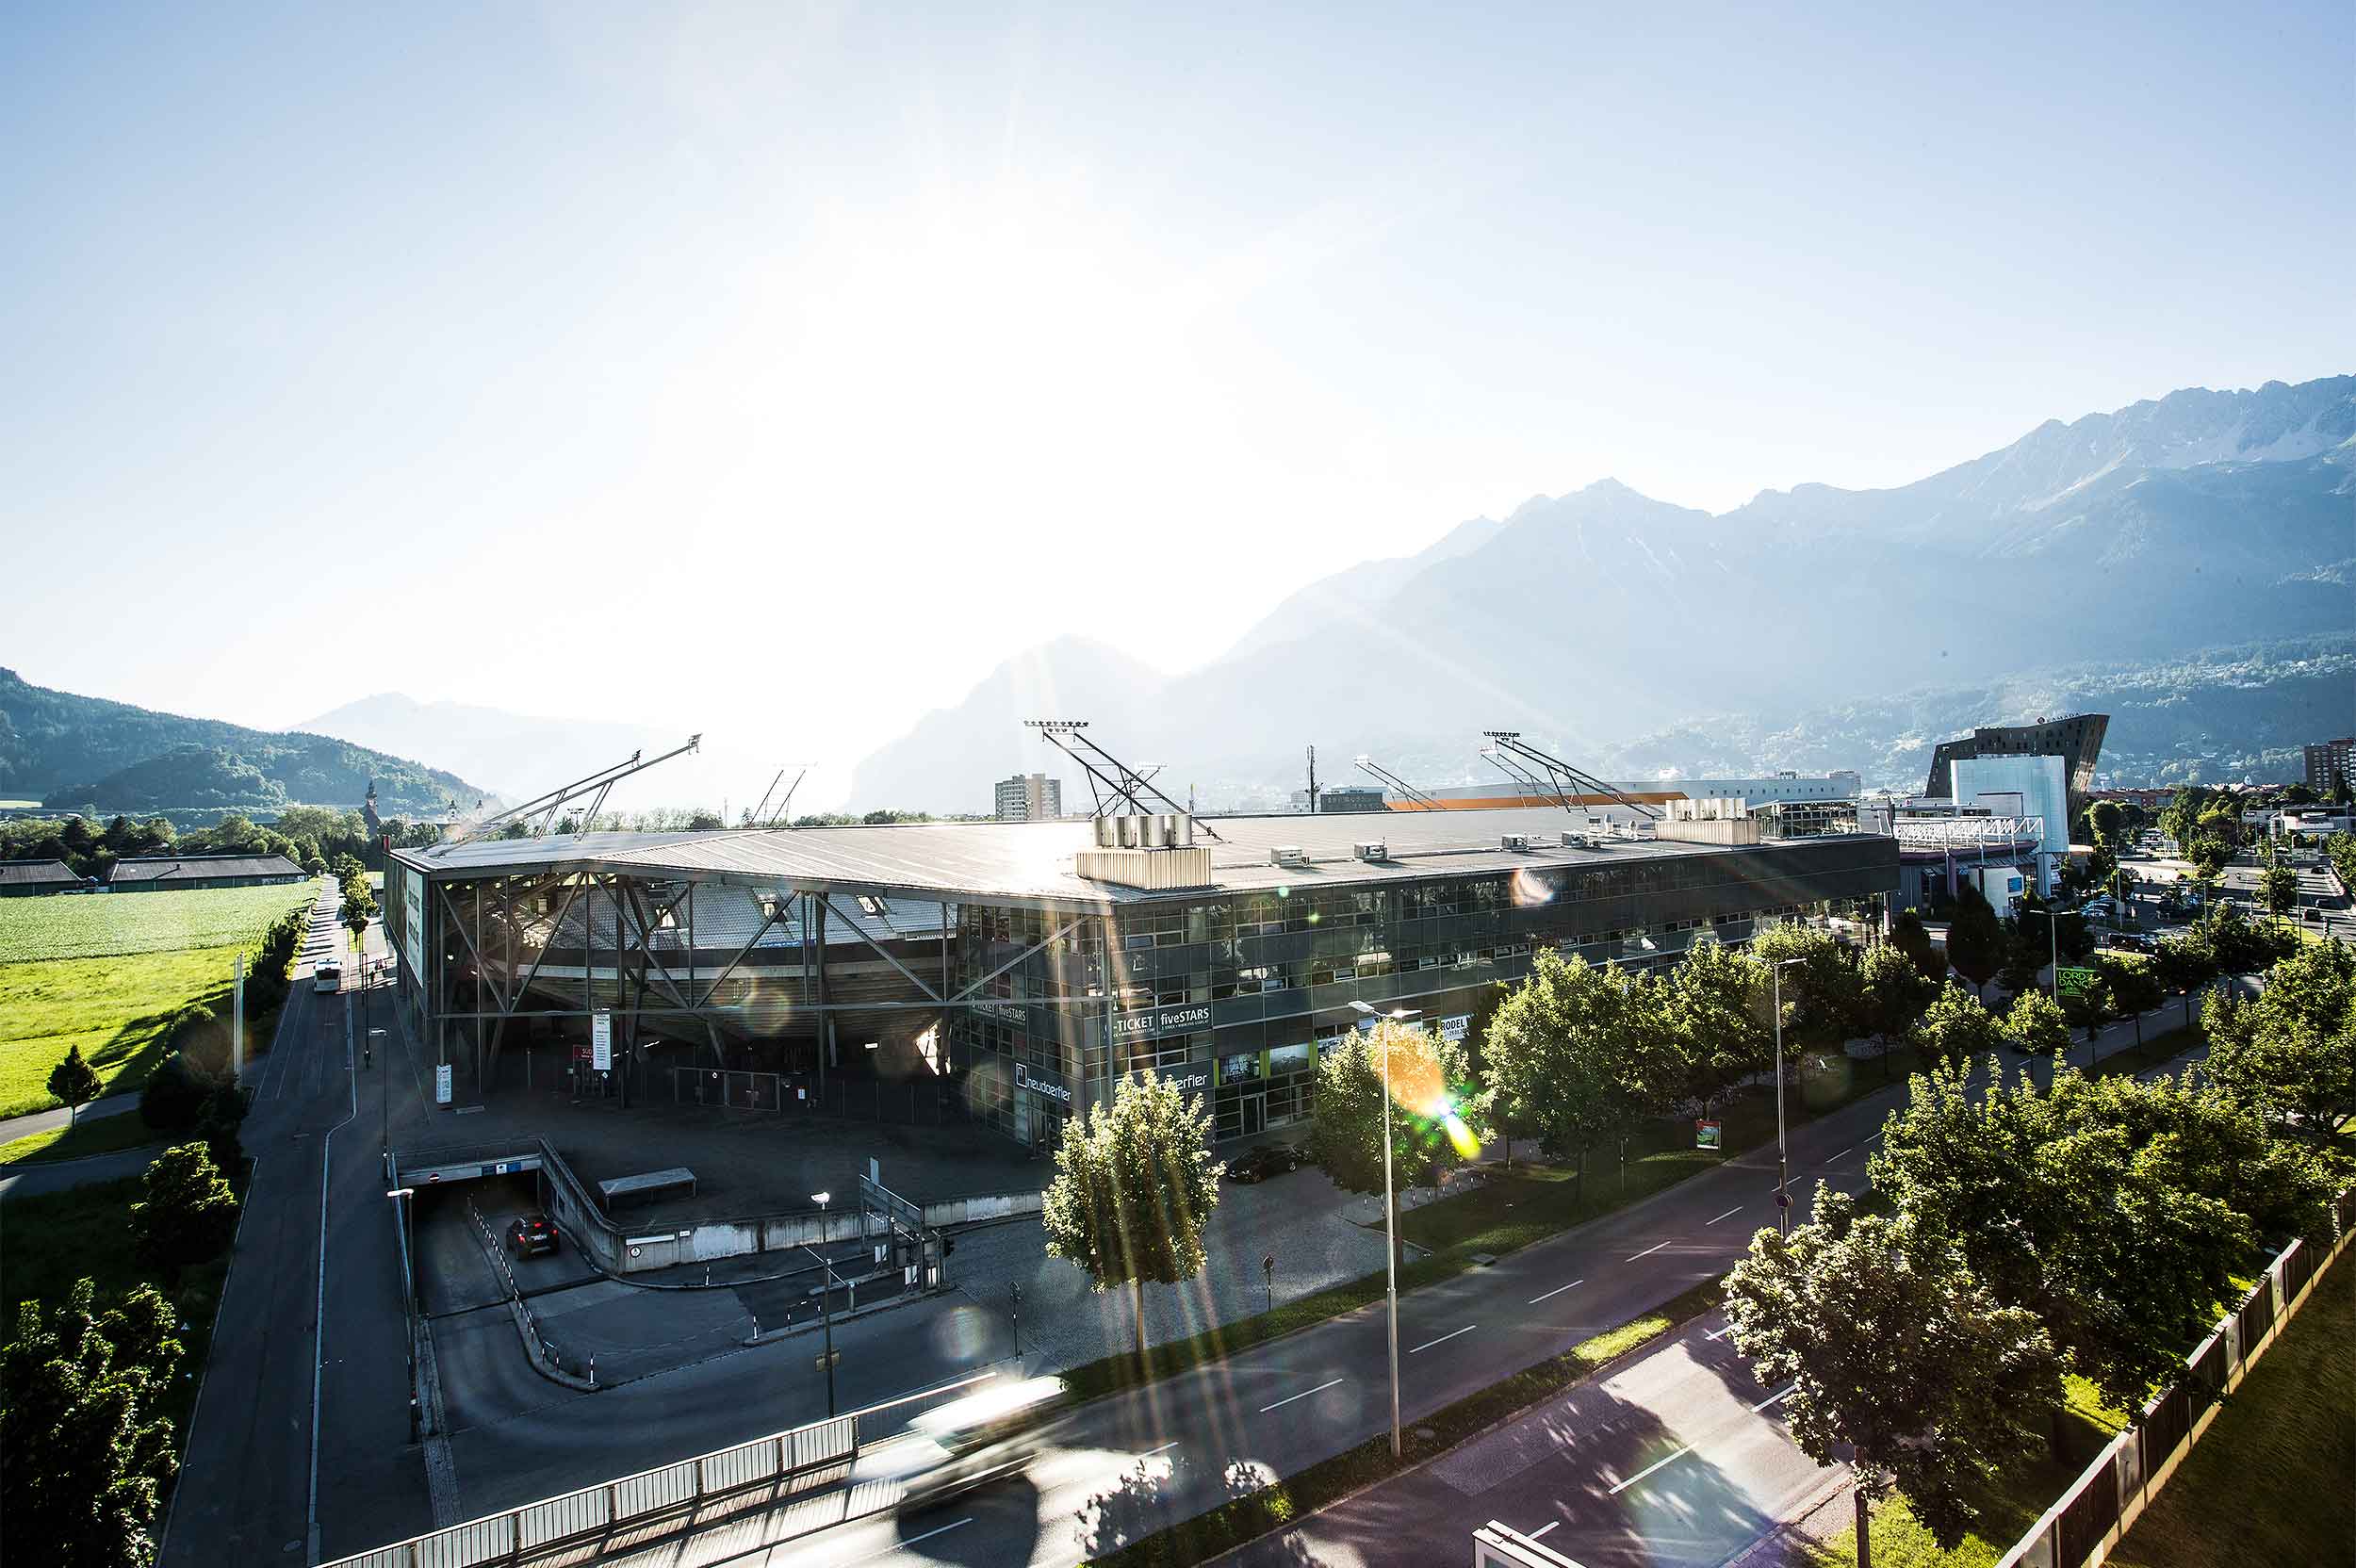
327	978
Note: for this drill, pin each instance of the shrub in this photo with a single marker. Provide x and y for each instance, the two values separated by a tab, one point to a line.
188	1213
175	1094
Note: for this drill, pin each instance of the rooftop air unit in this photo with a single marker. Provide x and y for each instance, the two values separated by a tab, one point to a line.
1577	840
1514	844
1287	854
1374	849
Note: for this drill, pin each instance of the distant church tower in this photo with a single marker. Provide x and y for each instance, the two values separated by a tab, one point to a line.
368	811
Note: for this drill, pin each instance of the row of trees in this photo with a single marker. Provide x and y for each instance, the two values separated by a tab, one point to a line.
2096	1227
312	837
82	1387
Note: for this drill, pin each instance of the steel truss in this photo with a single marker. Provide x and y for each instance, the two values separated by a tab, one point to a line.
1568	780
1123	784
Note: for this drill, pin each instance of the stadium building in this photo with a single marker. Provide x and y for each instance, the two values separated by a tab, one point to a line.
1017	970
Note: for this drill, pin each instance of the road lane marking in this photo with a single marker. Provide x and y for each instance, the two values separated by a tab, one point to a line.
1542	1529
907	1541
1649	1251
1444	1338
1302	1394
1650	1468
1556	1291
1737	1209
1163	1449
1843	1155
1716	1332
1774	1398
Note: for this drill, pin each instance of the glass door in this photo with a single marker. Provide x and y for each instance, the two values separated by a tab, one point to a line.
1254	1108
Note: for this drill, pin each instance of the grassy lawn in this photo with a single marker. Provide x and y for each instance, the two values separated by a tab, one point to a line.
109	972
1271	1507
2260	1486
56	1238
104	1135
110	925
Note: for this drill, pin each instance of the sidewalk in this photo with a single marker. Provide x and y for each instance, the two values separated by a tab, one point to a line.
18	1127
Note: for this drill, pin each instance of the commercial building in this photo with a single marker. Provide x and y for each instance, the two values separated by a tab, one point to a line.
1027	967
2076	737
1352	798
2330	766
1029	798
29	878
1769	790
169	872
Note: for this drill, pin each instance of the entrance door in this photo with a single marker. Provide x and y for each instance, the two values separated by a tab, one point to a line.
1254	1109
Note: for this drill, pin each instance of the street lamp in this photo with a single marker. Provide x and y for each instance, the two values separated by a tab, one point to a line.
401	1235
826	1294
1390	1210
1783	1149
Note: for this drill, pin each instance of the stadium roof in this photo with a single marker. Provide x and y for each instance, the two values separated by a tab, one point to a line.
1031	862
36	873
199	868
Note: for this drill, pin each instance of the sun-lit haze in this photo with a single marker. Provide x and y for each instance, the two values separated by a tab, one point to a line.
777	371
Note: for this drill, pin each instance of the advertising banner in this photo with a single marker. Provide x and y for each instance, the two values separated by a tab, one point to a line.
601	1040
413	921
1047	1085
1706	1135
1192	1077
1177	1020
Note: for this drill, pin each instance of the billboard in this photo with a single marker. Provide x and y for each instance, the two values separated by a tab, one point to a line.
413	895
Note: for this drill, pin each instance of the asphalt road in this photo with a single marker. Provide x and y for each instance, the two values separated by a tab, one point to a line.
253	1486
1122	1467
46	1121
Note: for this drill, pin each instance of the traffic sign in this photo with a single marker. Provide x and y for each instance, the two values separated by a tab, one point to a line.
1783	1199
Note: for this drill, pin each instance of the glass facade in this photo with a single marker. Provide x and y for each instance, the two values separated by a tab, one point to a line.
1232	993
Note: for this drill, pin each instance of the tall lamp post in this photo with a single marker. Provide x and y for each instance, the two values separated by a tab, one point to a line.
1783	1148
1390	1211
826	1294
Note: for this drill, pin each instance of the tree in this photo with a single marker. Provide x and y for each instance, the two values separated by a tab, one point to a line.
74	1081
1899	1362
2184	963
173	1095
2134	984
2036	1026
2290	1051
1717	1013
188	1215
1956	1029
2278	888
1893	992
1134	1189
359	907
218	1123
88	1451
1819	992
1975	938
2200	1139
2089	1008
1909	936
1580	1056
2057	1211
1430	1107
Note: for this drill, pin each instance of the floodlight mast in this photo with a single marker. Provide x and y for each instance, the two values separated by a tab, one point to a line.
1416	798
1568	780
1115	782
543	808
1524	784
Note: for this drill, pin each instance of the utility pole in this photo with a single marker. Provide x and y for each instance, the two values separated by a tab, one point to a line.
1313	782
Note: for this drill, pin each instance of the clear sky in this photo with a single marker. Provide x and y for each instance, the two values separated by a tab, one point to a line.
619	361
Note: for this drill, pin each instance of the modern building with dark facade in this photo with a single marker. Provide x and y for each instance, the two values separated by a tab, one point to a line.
172	872
1032	965
2077	739
2330	766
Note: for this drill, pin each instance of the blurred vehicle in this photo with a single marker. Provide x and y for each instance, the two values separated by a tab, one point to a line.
326	978
987	1436
532	1235
1269	1159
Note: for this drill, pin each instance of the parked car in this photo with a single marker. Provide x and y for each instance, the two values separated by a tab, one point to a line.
1269	1159
532	1235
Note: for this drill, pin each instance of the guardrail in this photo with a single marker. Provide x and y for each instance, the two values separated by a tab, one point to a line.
689	1493
2081	1529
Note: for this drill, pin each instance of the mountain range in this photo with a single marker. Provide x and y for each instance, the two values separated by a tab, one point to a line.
70	751
2107	555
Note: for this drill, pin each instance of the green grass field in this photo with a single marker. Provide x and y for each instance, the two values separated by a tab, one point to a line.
2269	1483
107	926
107	974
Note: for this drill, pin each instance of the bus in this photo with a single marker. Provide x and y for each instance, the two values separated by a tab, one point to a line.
327	978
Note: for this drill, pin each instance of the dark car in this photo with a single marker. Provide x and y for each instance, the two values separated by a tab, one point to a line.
532	1235
1269	1159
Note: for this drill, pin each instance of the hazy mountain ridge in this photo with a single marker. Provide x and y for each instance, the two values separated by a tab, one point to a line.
70	751
2115	541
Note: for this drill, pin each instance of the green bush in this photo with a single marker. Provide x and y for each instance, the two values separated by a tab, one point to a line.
175	1094
188	1216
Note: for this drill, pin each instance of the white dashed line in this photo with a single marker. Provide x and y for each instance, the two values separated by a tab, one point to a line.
911	1541
1650	1468
1163	1449
1556	1291
1302	1394
1444	1338
1774	1399
1737	1209
1649	1251
1542	1529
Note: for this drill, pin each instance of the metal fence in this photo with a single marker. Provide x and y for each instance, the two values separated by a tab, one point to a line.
2081	1529
577	1526
915	1102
